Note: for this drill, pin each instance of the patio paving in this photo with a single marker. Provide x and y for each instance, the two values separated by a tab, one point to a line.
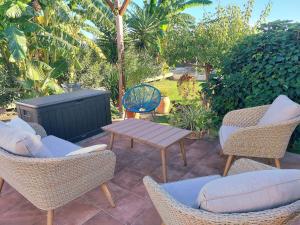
133	204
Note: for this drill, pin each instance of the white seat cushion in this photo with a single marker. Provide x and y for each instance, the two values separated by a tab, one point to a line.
282	109
225	132
186	191
59	147
252	191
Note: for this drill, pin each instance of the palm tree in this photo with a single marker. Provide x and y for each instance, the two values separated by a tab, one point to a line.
148	24
145	27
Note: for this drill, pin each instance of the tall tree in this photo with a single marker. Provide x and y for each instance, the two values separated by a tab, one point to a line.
218	32
119	9
206	44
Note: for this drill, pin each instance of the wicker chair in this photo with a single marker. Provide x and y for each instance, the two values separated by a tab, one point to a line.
49	183
173	212
252	140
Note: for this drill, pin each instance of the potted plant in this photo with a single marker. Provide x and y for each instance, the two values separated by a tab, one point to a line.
164	105
132	115
192	115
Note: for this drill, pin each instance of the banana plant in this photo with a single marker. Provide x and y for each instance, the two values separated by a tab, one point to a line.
43	39
38	79
103	29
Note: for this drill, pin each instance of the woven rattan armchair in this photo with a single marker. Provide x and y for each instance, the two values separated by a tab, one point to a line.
252	140
173	212
49	183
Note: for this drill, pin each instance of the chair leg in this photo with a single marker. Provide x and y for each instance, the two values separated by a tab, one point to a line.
1	183
153	114
228	164
111	142
50	215
131	142
107	194
221	153
277	163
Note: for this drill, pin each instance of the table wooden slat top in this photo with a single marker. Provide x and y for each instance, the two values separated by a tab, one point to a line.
158	135
148	132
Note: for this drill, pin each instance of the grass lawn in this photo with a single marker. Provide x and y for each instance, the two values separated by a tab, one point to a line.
168	88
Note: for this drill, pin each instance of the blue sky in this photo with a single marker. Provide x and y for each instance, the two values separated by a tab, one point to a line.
281	9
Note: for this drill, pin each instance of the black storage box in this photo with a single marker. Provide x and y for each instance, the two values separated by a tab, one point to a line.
71	116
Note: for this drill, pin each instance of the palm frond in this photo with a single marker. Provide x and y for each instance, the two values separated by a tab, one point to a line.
190	4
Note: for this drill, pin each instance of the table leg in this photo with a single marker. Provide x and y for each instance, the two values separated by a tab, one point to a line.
112	137
183	153
131	142
163	154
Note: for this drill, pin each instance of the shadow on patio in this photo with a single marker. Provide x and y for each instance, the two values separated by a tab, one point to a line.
133	205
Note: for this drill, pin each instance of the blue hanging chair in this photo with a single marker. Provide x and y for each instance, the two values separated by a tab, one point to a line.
142	98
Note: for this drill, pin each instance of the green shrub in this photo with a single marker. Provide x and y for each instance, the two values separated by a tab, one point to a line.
95	73
111	83
187	87
9	87
192	115
258	69
92	68
140	65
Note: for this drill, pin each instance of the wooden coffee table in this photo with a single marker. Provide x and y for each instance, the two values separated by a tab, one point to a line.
154	134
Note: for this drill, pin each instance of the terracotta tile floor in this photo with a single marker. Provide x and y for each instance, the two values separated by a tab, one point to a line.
133	204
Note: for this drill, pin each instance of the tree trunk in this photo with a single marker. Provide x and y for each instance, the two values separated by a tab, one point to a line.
120	45
207	69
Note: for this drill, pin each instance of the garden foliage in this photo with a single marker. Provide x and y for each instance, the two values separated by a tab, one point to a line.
192	115
213	37
258	69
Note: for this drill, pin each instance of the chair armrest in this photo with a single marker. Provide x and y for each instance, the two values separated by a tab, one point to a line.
268	141
51	183
247	165
38	129
245	117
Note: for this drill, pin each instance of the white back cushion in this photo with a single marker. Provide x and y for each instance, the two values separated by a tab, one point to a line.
282	109
20	142
21	124
252	191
